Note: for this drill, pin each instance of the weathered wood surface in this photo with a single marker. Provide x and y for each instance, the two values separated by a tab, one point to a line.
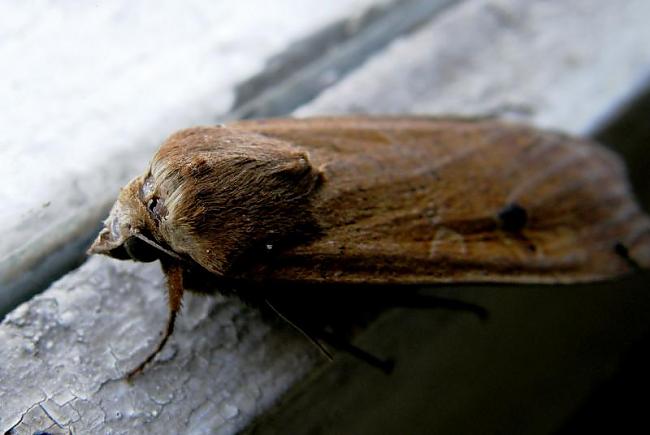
66	353
559	64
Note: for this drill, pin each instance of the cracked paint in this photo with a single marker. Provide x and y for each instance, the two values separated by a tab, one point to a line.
221	358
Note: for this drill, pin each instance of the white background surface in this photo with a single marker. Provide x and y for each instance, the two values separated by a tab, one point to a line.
84	83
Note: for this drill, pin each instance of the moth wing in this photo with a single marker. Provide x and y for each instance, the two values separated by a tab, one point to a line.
426	200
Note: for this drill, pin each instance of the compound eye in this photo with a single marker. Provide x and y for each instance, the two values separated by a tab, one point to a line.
156	209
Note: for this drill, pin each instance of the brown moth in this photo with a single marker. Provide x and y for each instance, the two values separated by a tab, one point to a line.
376	200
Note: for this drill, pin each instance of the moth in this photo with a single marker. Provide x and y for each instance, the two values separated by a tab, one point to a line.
256	205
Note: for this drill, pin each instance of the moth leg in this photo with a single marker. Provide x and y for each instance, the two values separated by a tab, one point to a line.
417	300
174	274
333	340
622	251
385	365
406	300
303	331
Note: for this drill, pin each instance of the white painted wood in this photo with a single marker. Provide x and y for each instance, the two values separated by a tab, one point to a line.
564	65
65	354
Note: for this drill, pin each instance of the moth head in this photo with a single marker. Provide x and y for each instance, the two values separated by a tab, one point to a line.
129	231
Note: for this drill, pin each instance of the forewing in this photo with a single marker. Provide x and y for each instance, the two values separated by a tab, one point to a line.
424	200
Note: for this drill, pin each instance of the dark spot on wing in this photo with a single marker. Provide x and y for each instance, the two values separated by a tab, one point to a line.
513	217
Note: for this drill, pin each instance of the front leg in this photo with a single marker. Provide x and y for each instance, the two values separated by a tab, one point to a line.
174	274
